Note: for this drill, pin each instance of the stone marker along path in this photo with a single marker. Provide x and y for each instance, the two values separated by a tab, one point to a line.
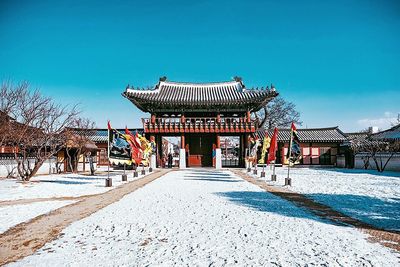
387	238
25	238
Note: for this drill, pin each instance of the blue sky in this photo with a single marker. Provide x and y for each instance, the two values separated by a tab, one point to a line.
338	61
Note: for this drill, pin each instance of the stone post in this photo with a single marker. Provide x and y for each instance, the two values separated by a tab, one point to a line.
182	154
218	154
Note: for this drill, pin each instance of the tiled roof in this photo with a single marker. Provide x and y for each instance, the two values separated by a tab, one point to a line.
361	139
388	135
101	135
326	135
177	96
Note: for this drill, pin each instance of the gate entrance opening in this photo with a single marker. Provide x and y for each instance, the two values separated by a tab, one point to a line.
169	151
230	151
199	150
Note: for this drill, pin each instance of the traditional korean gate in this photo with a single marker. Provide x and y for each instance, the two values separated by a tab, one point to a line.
200	150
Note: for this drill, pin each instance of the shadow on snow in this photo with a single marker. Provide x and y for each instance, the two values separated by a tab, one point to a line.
380	213
64	182
358	171
212	177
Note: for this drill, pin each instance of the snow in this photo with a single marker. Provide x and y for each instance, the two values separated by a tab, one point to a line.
207	218
16	214
60	185
367	195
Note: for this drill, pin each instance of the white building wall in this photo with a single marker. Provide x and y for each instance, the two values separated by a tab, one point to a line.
340	161
8	167
393	165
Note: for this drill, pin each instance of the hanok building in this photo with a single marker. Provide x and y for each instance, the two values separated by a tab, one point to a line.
199	113
319	146
389	135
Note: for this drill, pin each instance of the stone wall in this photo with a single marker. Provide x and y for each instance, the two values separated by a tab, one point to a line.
8	167
393	165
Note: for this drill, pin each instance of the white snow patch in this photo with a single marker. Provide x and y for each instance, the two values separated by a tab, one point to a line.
60	185
16	214
207	218
366	195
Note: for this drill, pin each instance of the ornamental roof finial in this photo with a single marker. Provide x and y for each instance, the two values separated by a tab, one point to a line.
237	79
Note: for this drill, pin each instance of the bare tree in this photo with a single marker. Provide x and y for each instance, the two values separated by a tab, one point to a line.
397	122
33	126
381	152
9	95
278	113
78	140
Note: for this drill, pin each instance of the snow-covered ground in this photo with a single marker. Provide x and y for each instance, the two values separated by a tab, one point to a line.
16	214
207	218
59	185
367	195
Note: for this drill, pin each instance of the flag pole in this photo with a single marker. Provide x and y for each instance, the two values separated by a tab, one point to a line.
263	170
273	177
248	155
124	176
108	180
288	181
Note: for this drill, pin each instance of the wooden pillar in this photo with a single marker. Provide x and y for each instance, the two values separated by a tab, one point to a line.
218	118
242	150
182	118
159	150
153	118
218	141
182	153
248	116
182	141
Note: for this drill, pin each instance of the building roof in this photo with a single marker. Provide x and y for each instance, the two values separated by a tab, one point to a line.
361	139
323	135
169	96
392	134
101	135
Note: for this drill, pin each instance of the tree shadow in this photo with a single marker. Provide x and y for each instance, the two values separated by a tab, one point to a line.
267	202
202	172
83	178
212	177
64	182
383	214
379	212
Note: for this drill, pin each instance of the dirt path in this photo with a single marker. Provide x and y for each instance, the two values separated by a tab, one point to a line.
25	238
389	239
34	200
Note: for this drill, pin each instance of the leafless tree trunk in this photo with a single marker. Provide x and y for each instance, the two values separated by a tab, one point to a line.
278	113
78	137
375	150
33	126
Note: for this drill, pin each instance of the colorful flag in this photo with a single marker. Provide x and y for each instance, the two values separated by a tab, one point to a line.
273	147
119	149
146	148
266	144
255	143
294	153
137	152
135	138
